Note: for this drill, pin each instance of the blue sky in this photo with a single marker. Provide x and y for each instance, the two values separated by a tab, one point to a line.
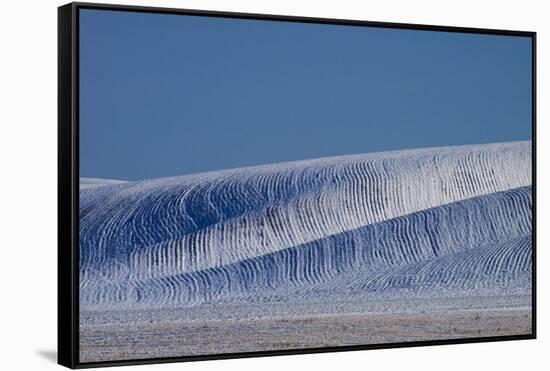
164	95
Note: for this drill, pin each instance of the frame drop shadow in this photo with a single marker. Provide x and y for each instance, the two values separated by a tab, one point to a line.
50	355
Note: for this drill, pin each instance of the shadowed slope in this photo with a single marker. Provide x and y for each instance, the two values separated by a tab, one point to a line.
480	243
191	223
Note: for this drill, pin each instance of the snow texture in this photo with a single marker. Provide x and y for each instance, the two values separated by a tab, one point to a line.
436	222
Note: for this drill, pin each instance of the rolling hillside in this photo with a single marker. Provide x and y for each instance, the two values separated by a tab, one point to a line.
450	221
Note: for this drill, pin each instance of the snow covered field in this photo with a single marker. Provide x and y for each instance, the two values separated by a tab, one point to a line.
375	248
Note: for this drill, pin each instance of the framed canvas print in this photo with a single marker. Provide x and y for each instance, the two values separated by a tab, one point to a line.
235	185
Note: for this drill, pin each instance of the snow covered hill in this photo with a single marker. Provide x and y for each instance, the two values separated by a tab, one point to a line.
440	221
86	183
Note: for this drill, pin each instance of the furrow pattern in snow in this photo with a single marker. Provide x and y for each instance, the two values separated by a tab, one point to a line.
482	242
170	226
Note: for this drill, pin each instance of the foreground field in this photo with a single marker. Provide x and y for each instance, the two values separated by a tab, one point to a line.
128	336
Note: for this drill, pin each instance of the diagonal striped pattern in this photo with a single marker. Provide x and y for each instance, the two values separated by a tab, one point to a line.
445	221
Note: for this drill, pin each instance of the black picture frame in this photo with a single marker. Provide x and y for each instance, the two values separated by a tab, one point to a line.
68	180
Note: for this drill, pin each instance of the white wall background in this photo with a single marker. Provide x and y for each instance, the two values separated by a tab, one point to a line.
28	181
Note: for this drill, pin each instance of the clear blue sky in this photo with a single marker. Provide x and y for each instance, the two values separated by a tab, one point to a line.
164	95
